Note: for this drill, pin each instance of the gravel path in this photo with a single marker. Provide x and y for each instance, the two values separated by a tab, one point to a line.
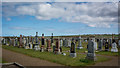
25	60
112	62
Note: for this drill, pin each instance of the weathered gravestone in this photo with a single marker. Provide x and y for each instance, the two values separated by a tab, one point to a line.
13	42
30	42
91	53
100	44
0	41
57	47
79	43
104	41
26	44
95	44
36	45
110	42
72	49
7	41
119	43
66	43
114	47
21	44
16	41
69	42
61	42
3	41
48	45
106	46
43	43
52	39
10	41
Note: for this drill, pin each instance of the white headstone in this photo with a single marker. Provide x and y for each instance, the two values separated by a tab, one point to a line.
79	43
95	44
114	47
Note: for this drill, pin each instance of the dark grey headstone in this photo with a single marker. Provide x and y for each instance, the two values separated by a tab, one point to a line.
91	53
72	49
106	46
100	44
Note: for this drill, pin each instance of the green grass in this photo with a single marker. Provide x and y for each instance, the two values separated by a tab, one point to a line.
2	61
64	60
109	53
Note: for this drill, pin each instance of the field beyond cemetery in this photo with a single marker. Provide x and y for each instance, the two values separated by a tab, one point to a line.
60	59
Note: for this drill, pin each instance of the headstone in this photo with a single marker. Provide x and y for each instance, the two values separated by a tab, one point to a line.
7	41
52	38
61	42
30	39
16	41
79	43
43	43
30	42
30	45
95	44
66	43
91	53
69	43
72	49
48	45
3	41
24	42
100	44
114	47
110	42
57	47
119	43
106	46
0	41
36	45
27	44
13	42
21	45
10	42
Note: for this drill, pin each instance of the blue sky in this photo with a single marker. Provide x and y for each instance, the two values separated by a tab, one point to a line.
58	18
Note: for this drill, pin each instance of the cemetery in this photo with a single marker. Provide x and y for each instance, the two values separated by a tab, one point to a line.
81	50
54	33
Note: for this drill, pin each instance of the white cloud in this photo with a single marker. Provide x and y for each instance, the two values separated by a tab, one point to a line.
21	28
8	19
92	14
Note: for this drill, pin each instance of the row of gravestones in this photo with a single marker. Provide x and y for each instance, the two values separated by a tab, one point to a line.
100	43
57	48
27	43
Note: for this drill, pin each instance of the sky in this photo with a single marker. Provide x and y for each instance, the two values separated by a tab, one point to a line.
59	18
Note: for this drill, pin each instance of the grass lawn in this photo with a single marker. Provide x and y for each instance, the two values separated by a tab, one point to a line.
84	44
2	61
107	53
64	60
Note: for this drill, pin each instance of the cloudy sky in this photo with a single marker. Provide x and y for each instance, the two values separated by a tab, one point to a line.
60	18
